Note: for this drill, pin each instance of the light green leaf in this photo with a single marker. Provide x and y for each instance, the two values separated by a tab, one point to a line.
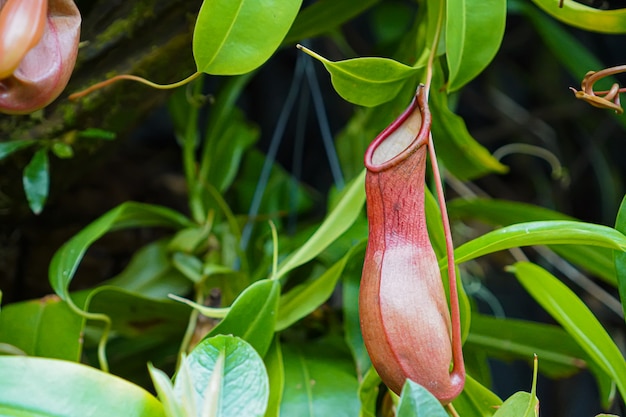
584	17
476	400
165	391
366	81
575	317
70	390
62	150
305	298
341	217
518	405
9	147
469	47
228	376
619	257
319	380
554	232
253	315
237	36
36	180
415	400
44	327
368	393
276	373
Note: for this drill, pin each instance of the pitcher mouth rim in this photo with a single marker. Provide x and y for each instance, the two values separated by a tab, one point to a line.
421	139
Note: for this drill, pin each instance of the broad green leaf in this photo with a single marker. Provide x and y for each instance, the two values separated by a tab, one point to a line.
325	15
596	260
253	315
584	17
67	259
319	380
509	339
469	47
575	317
276	373
520	404
366	81
619	257
237	36
37	387
9	147
44	327
460	152
552	232
476	400
189	266
415	400
368	393
229	375
341	217
36	180
151	274
305	298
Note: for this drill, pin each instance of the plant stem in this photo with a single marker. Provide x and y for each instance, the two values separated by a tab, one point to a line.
433	49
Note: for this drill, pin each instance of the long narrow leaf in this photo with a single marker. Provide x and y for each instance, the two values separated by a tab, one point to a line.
575	317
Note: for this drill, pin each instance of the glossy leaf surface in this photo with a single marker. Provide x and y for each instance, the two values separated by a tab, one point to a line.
585	17
476	400
237	36
469	47
415	400
620	256
575	317
58	384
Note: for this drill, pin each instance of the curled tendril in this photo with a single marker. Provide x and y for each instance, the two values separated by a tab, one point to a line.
608	99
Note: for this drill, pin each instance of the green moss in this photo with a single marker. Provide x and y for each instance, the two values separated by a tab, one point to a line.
142	10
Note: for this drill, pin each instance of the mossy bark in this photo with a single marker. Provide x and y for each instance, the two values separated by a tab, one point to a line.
149	38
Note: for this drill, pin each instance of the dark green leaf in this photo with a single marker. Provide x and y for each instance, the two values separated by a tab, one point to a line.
253	315
7	148
36	180
305	298
45	327
575	317
319	381
460	152
37	387
276	373
236	36
415	400
325	15
469	47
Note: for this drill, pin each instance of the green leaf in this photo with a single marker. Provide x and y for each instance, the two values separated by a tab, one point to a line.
469	47
476	400
95	133
415	400
552	232
509	339
237	36
619	257
325	15
62	150
584	17
45	327
253	315
165	391
597	260
305	298
38	387
319	381
368	393
36	180
366	81
519	404
460	152
341	217
229	376
276	373
575	317
7	148
351	321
